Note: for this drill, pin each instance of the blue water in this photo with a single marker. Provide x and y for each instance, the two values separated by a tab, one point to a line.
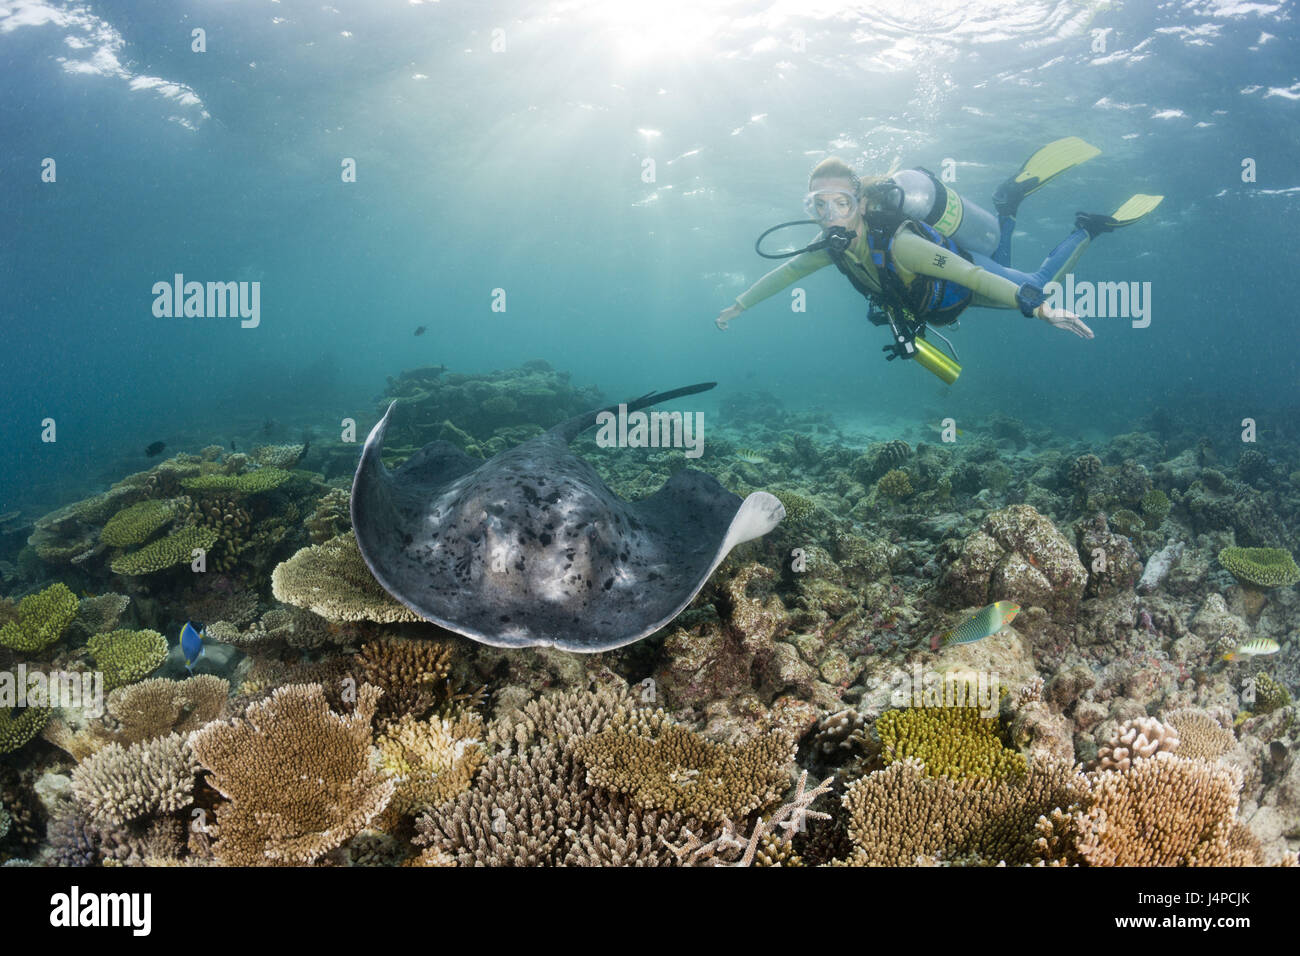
521	169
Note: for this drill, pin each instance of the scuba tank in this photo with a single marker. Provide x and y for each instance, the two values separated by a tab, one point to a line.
918	194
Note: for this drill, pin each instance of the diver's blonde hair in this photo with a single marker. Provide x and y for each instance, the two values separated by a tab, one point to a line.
832	167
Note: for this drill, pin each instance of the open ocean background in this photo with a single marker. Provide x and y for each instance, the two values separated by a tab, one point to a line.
521	169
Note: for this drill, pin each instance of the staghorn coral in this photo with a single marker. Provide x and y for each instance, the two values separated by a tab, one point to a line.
127	656
41	619
1199	735
248	483
537	809
1136	739
568	716
332	580
136	523
415	676
16	732
297	777
901	814
177	548
895	484
681	772
120	784
948	741
430	761
1164	811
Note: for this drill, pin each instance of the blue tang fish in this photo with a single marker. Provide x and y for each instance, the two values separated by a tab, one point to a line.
192	644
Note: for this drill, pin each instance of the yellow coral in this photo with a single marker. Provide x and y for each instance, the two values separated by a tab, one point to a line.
41	619
430	761
127	656
176	548
332	580
249	483
950	741
137	522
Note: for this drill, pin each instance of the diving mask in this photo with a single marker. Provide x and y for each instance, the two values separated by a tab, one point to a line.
830	205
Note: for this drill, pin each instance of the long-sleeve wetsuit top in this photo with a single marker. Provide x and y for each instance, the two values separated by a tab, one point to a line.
912	255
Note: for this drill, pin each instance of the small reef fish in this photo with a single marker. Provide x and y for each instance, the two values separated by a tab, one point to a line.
749	456
421	330
1252	648
192	645
155	449
983	623
938	428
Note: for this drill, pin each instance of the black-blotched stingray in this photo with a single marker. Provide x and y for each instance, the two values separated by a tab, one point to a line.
531	548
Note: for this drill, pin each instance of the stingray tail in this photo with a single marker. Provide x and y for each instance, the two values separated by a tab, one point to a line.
577	425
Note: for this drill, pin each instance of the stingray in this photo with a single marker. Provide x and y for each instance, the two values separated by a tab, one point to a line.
530	548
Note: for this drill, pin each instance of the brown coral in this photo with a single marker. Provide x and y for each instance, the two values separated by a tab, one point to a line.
414	675
332	580
298	777
120	784
431	761
680	771
1136	739
1199	734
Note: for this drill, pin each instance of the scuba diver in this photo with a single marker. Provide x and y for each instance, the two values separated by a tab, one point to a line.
921	254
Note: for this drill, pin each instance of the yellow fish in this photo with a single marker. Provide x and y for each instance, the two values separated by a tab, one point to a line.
1252	648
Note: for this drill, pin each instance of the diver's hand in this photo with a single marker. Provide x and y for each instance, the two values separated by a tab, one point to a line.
726	315
1063	319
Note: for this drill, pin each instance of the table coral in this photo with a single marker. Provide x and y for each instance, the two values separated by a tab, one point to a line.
332	580
135	523
680	771
249	483
297	777
127	656
177	548
17	731
41	619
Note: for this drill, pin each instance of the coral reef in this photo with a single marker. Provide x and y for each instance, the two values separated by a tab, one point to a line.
120	784
176	548
40	620
955	742
127	656
247	483
332	580
297	778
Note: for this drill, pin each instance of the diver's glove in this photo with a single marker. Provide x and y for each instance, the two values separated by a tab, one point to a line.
1029	298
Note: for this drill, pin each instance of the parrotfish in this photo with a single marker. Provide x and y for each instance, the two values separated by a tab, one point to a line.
983	623
192	644
1252	648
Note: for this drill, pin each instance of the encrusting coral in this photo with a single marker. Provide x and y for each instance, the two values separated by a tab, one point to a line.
298	778
332	580
41	619
127	656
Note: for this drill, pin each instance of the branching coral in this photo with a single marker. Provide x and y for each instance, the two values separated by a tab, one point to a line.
120	784
415	676
332	580
681	771
41	619
277	456
949	741
177	548
17	731
1165	811
895	484
298	777
1155	505
901	814
430	761
127	656
1200	735
568	716
1261	567
100	613
331	517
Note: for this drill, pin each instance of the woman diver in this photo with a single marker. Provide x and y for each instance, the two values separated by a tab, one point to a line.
921	254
